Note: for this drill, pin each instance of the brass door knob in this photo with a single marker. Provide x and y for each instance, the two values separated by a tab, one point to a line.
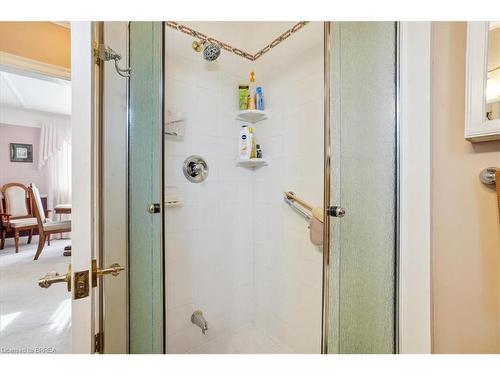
113	270
54	277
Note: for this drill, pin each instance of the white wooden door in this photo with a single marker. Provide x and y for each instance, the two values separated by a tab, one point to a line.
82	235
99	231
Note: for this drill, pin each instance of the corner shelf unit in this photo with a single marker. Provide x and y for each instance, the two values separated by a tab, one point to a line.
251	163
251	115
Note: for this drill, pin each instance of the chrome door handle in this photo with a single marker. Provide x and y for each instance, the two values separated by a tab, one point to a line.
335	211
154	208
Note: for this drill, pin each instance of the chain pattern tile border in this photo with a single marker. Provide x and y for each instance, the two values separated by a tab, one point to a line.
252	57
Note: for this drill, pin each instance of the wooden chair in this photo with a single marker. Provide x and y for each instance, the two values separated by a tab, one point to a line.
45	227
17	214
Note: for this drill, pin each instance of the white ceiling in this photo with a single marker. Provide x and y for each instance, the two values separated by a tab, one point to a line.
35	93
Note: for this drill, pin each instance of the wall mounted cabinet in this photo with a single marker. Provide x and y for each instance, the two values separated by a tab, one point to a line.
482	90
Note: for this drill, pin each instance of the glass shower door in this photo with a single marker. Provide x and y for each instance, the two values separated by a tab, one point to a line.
145	188
363	130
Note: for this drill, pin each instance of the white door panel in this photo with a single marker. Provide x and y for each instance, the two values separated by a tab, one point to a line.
81	236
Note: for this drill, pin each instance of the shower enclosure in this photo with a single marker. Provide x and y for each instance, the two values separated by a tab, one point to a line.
218	262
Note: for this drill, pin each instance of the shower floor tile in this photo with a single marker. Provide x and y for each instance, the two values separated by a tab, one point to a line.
244	340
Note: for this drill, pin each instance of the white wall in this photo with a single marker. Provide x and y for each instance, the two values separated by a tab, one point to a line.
288	267
25	173
234	249
209	241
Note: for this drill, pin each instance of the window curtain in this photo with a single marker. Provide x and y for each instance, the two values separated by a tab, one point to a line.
55	159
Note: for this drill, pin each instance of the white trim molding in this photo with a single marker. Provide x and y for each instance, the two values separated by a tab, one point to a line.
415	312
477	127
10	61
65	24
18	116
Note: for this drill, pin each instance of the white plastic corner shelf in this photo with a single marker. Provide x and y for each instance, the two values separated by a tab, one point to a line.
251	115
251	163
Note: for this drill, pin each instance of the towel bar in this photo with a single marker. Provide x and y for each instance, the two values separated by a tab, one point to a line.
487	175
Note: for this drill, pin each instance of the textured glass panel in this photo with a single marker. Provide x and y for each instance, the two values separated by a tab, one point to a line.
362	282
145	165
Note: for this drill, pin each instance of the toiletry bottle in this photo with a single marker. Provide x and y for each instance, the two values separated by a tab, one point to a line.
245	143
253	153
251	102
258	152
252	91
243	96
252	86
259	98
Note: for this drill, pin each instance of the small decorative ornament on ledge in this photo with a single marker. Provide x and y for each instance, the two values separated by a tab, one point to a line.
20	152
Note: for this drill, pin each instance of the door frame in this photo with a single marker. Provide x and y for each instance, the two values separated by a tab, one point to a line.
114	327
100	173
415	296
413	225
414	331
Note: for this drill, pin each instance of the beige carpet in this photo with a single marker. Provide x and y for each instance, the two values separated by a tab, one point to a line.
33	319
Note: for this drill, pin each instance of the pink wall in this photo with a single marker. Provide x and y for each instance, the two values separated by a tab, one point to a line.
20	172
465	239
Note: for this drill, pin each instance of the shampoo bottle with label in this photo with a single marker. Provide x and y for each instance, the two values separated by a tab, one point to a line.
252	92
245	143
259	98
243	96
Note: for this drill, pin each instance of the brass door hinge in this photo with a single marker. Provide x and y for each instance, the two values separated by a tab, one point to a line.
95	52
104	53
97	342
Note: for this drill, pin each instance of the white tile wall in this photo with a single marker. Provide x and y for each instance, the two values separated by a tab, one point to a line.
234	249
288	268
209	241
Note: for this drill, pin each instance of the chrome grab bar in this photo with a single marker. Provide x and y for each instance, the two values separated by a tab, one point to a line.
307	216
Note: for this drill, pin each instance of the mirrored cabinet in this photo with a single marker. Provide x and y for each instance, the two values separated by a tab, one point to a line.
482	103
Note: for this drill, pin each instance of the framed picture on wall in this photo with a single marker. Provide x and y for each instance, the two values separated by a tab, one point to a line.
20	152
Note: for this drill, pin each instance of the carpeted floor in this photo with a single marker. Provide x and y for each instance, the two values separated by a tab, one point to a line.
33	319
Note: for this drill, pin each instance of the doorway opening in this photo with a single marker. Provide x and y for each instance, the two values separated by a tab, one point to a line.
35	186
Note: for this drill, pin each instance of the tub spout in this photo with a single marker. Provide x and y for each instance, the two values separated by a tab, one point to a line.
198	319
